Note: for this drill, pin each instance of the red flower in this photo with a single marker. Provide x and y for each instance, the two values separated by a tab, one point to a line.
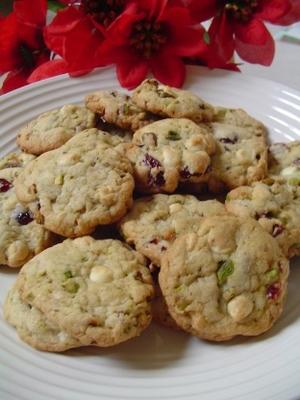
152	35
81	27
22	48
238	25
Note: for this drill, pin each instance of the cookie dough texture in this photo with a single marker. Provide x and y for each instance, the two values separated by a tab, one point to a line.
275	205
98	291
118	109
236	117
84	183
154	222
52	129
241	156
170	151
33	327
170	102
15	160
227	279
19	242
284	161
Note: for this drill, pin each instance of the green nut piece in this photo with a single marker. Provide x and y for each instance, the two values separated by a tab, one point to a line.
226	269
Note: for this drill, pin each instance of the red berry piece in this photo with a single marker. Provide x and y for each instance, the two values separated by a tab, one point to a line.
4	185
273	291
24	218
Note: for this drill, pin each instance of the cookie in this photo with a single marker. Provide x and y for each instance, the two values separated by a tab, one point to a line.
118	109
84	183
227	279
98	291
236	117
240	158
154	222
284	161
33	327
275	205
16	160
20	236
168	152
52	129
170	102
125	135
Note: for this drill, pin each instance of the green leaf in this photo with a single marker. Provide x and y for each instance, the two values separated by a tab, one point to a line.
206	37
172	135
226	268
55	5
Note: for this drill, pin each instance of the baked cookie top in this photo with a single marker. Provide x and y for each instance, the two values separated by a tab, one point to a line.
15	160
170	151
236	117
84	183
154	222
33	326
240	158
20	236
275	205
118	109
98	291
284	161
171	102
52	129
227	279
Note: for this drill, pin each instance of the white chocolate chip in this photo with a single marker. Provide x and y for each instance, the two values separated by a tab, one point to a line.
174	208
101	274
240	307
290	172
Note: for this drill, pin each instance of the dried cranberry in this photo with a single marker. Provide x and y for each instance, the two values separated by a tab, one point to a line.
151	161
227	140
156	180
4	185
163	248
267	214
24	218
277	230
185	173
154	241
296	161
273	291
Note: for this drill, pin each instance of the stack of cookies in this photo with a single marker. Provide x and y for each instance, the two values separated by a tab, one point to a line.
147	170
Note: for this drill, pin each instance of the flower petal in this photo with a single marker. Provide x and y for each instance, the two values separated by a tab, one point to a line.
14	80
292	16
202	10
31	19
183	39
254	32
221	37
131	69
153	8
254	43
72	35
9	43
168	68
48	69
271	10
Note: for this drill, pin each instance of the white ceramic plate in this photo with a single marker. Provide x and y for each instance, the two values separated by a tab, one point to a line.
160	364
